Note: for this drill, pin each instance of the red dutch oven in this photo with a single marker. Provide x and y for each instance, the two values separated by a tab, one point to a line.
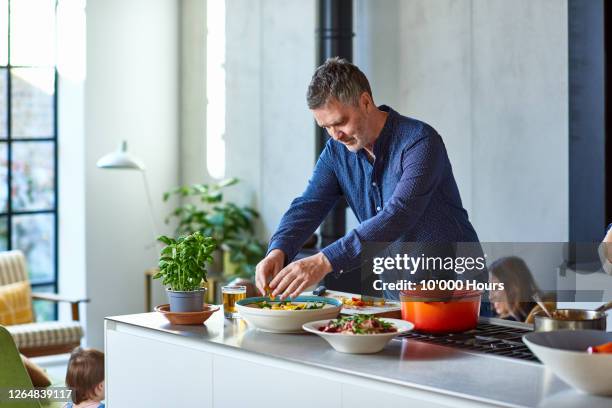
436	311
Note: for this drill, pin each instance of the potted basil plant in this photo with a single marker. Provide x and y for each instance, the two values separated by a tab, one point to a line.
182	265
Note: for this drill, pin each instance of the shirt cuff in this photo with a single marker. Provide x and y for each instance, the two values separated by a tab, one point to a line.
289	254
343	254
334	256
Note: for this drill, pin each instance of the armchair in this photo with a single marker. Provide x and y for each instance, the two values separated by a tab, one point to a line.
40	338
12	372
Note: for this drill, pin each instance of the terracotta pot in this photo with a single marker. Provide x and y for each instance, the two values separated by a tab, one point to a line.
441	312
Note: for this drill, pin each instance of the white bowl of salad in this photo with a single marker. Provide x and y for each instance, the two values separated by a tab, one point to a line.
286	316
358	334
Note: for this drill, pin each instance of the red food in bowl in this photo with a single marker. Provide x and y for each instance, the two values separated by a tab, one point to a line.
441	311
602	348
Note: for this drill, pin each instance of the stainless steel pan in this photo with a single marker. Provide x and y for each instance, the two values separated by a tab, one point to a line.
573	319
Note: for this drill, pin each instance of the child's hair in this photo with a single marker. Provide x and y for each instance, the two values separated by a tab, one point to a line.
519	284
85	372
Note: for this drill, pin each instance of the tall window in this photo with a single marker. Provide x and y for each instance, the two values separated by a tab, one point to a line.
215	88
28	139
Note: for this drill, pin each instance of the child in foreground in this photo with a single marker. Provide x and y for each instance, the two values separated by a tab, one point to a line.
85	377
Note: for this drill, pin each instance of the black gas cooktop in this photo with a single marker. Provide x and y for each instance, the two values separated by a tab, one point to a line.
487	338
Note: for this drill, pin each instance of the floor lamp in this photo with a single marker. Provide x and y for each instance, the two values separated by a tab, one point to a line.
122	160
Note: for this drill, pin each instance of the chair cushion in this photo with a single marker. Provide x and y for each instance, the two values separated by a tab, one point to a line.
46	334
12	267
15	303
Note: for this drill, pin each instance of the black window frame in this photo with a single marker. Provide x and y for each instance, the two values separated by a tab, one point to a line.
10	142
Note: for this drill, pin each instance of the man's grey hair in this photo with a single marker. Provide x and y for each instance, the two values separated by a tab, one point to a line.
337	78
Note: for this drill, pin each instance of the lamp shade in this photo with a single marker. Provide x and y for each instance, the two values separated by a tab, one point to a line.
120	159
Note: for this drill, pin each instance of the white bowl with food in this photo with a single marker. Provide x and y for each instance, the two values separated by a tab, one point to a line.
358	334
287	316
581	358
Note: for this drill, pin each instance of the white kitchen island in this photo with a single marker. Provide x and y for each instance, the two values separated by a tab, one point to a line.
224	364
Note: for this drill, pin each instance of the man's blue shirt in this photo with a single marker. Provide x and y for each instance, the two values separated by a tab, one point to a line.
408	193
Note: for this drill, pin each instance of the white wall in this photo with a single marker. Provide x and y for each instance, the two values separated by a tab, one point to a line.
491	77
269	130
244	103
520	120
193	91
131	93
288	133
71	146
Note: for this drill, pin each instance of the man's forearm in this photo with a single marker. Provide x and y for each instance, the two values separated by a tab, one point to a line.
307	212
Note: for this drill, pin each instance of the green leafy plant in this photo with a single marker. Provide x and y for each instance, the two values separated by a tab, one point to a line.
233	227
245	253
182	263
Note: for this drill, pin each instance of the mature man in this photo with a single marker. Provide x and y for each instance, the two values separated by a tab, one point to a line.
393	171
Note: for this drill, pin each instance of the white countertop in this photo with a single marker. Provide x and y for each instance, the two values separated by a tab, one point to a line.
410	363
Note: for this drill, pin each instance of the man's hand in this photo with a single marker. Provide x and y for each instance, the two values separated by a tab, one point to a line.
298	275
607	245
267	268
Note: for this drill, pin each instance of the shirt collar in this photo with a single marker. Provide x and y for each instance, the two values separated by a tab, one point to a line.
382	142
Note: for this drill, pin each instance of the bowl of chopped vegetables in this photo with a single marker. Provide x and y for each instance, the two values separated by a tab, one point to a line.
288	316
581	358
358	334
